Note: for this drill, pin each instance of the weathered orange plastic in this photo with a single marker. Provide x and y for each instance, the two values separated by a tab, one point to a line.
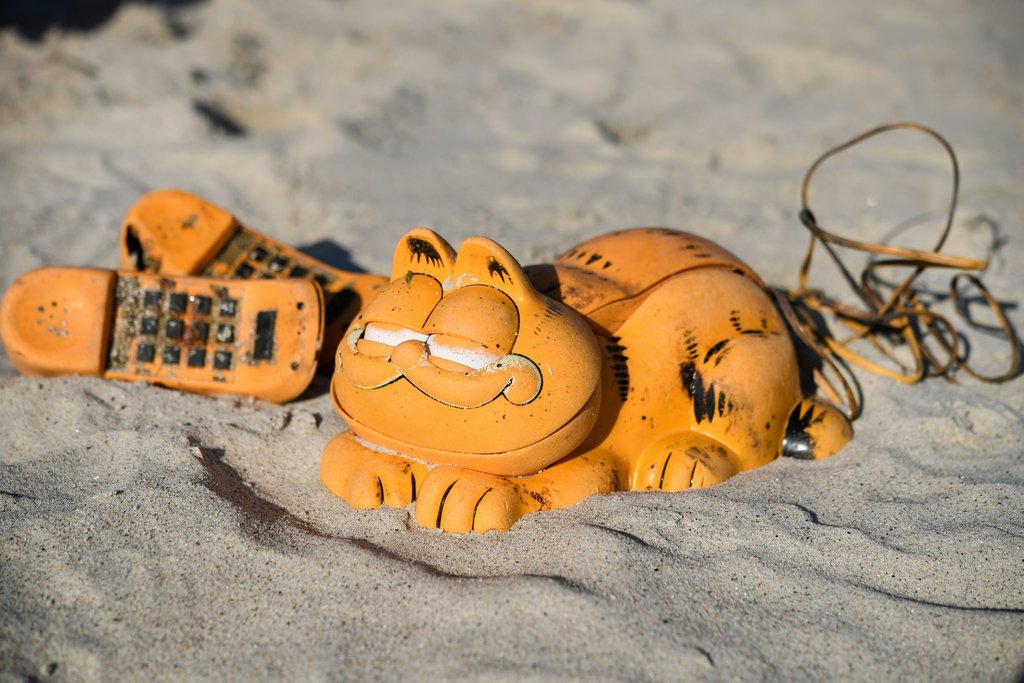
204	335
640	360
51	320
173	232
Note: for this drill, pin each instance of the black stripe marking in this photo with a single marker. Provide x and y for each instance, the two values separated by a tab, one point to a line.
798	443
704	400
494	267
423	249
734	319
691	345
444	497
620	369
664	469
715	349
477	507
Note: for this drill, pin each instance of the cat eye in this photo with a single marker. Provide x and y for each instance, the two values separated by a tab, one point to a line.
443	347
482	314
460	351
391	335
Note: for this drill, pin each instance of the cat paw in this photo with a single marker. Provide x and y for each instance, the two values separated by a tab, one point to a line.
679	466
365	478
461	501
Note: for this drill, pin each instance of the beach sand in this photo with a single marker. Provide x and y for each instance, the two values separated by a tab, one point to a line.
147	534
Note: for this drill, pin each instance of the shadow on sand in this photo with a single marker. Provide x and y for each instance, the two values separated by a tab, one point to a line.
32	18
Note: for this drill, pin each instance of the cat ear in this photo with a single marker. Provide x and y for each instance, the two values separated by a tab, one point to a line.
423	251
484	262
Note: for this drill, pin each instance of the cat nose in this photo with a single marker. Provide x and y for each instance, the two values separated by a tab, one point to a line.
409	354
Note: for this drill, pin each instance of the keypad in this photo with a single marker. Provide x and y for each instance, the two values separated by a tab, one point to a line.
175	329
251	257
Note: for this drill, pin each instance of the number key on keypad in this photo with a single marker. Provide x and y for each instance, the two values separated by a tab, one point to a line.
258	254
175	328
171	355
222	360
176	302
201	305
196	358
145	353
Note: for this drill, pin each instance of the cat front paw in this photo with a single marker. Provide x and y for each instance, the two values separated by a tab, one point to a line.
460	501
365	478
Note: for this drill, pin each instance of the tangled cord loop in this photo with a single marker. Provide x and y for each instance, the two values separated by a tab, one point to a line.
901	318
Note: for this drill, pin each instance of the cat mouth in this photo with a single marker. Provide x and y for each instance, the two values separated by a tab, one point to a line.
452	370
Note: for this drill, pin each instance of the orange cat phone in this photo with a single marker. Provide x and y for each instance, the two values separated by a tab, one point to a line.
204	335
171	232
642	359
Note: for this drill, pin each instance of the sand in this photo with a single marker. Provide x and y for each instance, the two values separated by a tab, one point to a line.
152	535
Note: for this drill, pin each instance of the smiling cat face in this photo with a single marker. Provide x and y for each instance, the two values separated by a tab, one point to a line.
458	360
